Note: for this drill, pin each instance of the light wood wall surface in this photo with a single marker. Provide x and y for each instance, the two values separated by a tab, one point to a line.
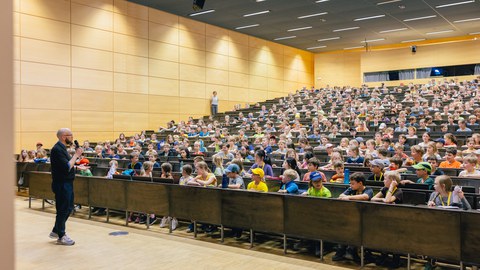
347	68
103	67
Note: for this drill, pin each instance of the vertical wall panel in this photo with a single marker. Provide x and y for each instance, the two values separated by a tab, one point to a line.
110	66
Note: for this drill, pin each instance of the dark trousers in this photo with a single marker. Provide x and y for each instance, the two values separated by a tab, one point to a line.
214	109
63	204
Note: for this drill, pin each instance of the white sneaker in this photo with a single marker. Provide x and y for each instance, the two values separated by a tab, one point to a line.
53	235
164	222
174	224
66	241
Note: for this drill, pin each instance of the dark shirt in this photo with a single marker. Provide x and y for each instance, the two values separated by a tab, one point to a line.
137	166
59	158
398	194
374	177
367	190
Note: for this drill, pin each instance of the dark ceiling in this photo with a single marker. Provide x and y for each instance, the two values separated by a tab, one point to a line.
394	21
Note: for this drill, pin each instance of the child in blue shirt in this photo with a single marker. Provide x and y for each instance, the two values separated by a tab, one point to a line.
289	185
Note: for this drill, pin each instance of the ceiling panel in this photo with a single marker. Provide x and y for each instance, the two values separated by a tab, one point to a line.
341	14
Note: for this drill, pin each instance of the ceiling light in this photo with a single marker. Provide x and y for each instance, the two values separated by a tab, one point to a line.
467	20
388	2
474	33
370	17
256	13
289	37
393	30
357	47
312	15
346	29
413	40
247	26
373	40
317	47
260	1
420	18
455	4
438	32
321	1
298	29
327	39
202	12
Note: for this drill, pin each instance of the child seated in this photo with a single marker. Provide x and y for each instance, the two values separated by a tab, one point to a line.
316	188
353	154
443	196
258	183
186	175
390	193
288	185
339	168
312	166
450	162
470	164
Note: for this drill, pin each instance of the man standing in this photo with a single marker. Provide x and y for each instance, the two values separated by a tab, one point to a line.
63	174
214	103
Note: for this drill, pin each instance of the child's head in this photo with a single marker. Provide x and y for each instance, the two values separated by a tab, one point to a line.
338	167
423	169
232	170
470	162
113	162
391	176
239	163
450	154
147	166
313	164
443	183
417	152
202	167
315	180
382	152
187	170
218	161
336	156
433	160
258	175
289	175
353	151
198	159
450	138
395	163
357	180
134	157
166	168
376	166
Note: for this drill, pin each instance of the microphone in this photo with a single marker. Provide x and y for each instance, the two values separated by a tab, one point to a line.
76	144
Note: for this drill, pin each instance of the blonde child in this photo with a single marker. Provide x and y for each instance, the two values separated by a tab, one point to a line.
336	156
470	147
431	150
470	164
443	196
258	183
390	193
204	176
289	185
371	148
218	162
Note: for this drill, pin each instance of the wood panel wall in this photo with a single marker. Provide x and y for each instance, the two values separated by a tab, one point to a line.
103	67
347	68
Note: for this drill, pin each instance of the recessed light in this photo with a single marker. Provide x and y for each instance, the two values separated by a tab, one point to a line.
321	1
455	4
299	29
393	30
346	29
356	47
256	13
260	1
373	40
369	18
327	39
202	12
439	32
388	2
289	37
312	15
247	26
467	20
413	40
420	18
316	47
